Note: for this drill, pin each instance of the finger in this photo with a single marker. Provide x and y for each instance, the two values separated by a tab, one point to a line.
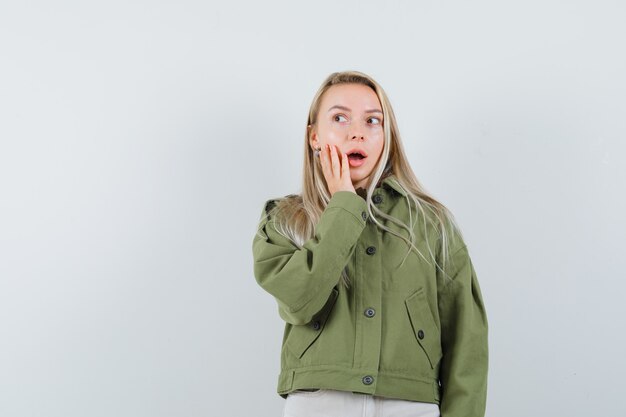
325	160
335	161
345	166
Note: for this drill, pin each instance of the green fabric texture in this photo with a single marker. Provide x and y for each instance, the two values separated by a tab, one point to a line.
401	330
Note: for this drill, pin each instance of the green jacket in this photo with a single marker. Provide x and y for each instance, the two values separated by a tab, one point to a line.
398	331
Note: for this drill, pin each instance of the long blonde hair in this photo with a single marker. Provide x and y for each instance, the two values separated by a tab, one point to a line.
300	213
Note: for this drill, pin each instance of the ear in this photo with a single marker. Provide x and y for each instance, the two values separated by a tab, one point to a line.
313	141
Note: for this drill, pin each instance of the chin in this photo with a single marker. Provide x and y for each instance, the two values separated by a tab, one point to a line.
358	176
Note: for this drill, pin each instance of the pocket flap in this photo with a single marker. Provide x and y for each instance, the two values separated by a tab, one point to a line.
425	330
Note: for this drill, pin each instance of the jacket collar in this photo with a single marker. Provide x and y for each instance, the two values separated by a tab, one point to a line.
390	181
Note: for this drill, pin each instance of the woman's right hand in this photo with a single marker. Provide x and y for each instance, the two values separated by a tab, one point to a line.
336	170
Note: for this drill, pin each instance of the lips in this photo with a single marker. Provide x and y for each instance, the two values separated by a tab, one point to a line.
357	153
356	157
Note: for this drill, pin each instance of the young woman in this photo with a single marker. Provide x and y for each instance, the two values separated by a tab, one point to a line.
382	308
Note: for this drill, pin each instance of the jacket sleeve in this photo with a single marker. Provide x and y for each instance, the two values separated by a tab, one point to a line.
464	334
301	279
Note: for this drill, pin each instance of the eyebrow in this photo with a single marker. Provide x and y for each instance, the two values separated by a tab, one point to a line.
337	106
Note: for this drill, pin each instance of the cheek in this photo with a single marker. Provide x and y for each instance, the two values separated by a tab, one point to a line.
331	131
332	135
379	139
380	142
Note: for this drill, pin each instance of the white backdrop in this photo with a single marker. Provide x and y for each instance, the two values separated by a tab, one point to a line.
139	140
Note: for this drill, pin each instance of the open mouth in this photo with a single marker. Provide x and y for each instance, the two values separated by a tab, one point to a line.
356	158
356	155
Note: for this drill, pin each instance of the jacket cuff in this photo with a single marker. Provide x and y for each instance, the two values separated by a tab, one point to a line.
350	202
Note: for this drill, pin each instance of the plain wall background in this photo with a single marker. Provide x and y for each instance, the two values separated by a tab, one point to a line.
139	140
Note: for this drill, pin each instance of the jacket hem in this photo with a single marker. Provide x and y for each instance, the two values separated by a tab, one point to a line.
385	384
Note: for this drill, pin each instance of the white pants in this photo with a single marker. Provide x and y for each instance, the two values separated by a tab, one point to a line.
333	403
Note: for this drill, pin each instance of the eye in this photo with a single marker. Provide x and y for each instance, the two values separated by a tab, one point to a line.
338	115
375	118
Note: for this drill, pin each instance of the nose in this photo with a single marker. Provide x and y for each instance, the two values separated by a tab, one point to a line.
356	133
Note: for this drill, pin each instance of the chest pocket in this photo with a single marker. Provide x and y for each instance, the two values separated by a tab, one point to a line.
301	337
424	328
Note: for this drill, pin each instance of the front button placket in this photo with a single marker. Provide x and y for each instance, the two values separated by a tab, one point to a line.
368	293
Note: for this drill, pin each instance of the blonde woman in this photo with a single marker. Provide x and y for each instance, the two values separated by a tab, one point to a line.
382	308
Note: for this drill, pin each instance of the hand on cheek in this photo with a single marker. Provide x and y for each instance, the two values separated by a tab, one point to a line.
336	169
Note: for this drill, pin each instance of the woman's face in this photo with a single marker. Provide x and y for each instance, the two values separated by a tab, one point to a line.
351	118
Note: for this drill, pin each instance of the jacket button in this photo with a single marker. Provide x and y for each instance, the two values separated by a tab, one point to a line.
316	325
367	379
364	215
370	312
420	334
371	250
377	199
